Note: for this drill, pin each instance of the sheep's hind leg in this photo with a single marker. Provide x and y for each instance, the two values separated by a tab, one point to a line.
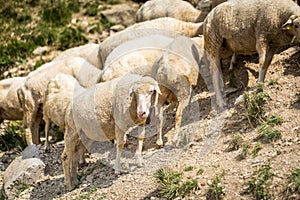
232	77
265	59
159	113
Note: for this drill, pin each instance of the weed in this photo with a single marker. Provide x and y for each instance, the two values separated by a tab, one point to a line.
2	195
88	193
106	23
70	37
294	181
273	81
215	190
111	2
200	171
259	184
236	142
12	137
19	188
274	120
267	134
245	150
171	184
253	105
91	8
257	147
188	168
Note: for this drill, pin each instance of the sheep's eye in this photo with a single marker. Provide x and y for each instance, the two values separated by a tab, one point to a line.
296	26
151	91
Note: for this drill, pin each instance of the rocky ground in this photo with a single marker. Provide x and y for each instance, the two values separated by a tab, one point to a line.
210	155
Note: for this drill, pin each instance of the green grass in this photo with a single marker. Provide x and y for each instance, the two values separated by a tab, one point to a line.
235	142
267	134
171	184
88	194
258	185
19	188
188	168
215	190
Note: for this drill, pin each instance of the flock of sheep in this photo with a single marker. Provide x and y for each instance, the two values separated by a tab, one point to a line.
104	90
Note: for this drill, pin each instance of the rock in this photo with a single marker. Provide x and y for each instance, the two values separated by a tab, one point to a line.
118	27
25	170
40	50
120	14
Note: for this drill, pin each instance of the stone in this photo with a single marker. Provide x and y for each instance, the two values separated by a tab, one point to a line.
120	14
40	50
23	171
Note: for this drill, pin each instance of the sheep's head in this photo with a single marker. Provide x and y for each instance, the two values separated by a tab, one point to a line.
293	25
146	93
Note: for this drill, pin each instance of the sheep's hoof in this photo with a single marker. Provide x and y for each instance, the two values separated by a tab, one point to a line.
139	160
159	144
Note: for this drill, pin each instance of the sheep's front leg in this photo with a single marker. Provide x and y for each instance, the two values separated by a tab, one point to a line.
232	77
178	118
159	112
70	158
47	127
266	54
138	153
120	138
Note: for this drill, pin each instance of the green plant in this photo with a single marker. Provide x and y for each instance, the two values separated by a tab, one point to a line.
56	13
253	105
19	188
259	184
294	181
188	168
88	193
12	137
235	142
106	23
257	147
70	37
273	81
171	184
274	120
267	134
200	171
215	190
91	8
244	151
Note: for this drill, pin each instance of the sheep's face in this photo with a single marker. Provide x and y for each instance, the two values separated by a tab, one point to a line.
293	25
146	96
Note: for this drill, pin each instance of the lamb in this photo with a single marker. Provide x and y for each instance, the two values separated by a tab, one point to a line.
105	112
166	26
58	96
88	52
36	83
247	27
177	9
10	104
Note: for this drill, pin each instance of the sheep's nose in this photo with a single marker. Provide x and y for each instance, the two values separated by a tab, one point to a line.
142	114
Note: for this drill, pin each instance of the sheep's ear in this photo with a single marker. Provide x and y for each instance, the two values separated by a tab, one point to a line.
131	91
156	88
288	25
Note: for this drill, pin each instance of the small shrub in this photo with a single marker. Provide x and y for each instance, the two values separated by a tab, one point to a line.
273	81
200	171
188	168
236	142
244	151
19	188
171	184
267	134
91	8
56	13
71	37
12	137
106	23
294	181
274	120
254	105
259	184
215	190
257	147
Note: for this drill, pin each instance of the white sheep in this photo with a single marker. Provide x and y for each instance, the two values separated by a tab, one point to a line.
134	53
36	84
105	112
10	104
88	52
166	26
177	9
174	66
58	96
247	27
